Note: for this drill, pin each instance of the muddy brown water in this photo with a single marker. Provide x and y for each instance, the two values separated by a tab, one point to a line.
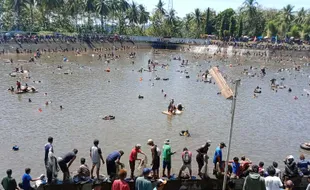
267	128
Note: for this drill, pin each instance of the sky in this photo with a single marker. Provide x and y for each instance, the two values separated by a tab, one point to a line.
183	7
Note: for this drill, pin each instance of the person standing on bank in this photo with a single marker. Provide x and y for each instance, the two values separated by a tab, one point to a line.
155	158
202	152
167	157
113	161
218	157
48	147
65	163
9	183
96	156
133	157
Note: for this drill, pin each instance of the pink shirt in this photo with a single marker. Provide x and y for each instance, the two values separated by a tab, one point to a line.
189	152
120	185
134	154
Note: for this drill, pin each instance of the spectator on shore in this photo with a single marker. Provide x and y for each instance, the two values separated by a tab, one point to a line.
303	165
113	161
65	162
254	181
278	171
308	187
83	172
261	169
289	185
167	153
52	167
26	179
291	169
144	182
121	184
48	147
9	183
96	156
133	157
236	169
155	157
202	151
272	182
218	157
187	162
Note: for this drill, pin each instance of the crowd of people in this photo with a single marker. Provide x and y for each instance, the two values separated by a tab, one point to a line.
256	176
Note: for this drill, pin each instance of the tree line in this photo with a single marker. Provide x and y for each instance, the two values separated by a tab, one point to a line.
128	18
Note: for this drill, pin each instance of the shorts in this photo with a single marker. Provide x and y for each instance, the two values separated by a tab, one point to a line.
111	167
156	165
63	167
132	165
97	164
167	164
184	166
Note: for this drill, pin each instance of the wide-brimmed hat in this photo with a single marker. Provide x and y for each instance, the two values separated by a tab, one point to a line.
167	141
150	141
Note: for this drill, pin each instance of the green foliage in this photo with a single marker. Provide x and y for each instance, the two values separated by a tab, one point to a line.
128	17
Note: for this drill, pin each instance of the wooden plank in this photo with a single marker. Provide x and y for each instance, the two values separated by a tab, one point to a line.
221	83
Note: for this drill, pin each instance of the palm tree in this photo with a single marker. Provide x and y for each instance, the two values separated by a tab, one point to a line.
46	7
73	8
250	8
287	14
89	8
143	16
160	8
113	7
103	10
133	14
301	16
17	6
32	4
188	19
197	17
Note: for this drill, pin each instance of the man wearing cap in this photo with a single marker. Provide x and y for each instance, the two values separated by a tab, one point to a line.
200	158
155	158
133	157
218	156
144	183
167	157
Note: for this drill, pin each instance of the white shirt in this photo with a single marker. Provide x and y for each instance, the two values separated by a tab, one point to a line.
273	183
308	187
95	154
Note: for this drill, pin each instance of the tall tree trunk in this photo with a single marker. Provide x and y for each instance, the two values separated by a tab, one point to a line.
31	13
101	19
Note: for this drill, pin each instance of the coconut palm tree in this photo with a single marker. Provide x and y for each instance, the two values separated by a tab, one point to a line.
250	8
143	16
31	4
73	8
301	16
287	14
89	8
133	14
160	8
103	10
188	18
17	6
197	18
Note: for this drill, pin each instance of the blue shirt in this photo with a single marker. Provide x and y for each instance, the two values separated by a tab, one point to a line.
114	156
235	167
303	165
218	153
26	181
143	184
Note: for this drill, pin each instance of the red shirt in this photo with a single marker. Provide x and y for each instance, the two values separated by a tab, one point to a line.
120	185
134	154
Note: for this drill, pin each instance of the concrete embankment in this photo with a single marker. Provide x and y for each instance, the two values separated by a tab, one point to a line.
211	184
